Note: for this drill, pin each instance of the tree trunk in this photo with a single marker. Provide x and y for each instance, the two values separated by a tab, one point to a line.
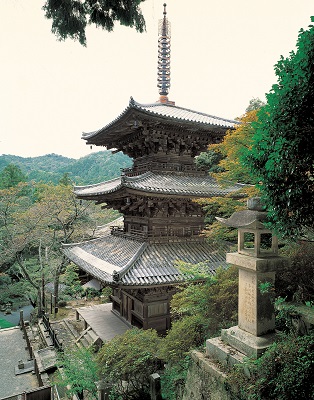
58	271
40	303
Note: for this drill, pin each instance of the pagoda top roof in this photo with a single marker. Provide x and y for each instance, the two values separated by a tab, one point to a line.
113	259
159	112
160	183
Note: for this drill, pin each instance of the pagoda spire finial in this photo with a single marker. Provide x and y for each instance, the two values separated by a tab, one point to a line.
164	33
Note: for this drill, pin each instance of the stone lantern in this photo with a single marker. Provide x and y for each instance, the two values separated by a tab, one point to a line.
257	266
251	221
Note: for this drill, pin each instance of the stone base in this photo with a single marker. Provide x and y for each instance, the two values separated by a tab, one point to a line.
205	380
246	343
226	355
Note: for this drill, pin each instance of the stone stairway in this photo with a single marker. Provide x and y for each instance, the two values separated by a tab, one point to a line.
88	338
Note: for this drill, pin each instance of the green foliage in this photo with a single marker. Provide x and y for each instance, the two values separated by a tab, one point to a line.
70	18
106	293
224	207
215	301
91	293
71	279
15	292
65	180
209	160
255	104
79	372
199	271
130	357
265	287
185	334
97	167
51	168
283	372
284	313
295	279
237	142
282	157
11	176
174	376
32	228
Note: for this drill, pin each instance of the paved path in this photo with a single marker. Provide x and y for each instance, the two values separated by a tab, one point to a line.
12	349
103	321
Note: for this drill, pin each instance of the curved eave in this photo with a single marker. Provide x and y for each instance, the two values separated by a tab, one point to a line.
98	189
159	113
126	262
158	184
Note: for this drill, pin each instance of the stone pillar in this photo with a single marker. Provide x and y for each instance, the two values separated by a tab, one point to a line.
21	322
256	314
155	387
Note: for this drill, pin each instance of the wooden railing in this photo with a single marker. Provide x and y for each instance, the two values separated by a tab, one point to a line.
43	388
156	166
53	336
161	234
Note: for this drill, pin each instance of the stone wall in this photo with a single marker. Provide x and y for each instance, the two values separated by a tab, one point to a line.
205	380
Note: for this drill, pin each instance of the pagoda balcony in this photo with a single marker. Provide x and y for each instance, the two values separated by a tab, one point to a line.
161	235
188	169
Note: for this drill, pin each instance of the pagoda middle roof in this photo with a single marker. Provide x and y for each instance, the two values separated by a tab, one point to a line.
166	112
114	259
160	183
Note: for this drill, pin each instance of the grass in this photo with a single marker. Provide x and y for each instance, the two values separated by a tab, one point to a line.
5	324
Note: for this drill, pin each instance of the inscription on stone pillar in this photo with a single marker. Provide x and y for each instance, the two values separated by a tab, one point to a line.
247	301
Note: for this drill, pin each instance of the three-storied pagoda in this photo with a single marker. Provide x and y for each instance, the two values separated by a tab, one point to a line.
161	221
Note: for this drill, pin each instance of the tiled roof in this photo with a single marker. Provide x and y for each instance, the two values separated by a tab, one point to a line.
100	257
182	114
140	263
161	183
169	113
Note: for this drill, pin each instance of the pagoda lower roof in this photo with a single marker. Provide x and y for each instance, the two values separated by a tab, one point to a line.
112	260
162	113
159	183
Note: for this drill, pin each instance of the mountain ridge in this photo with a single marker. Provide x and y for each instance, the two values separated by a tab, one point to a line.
49	168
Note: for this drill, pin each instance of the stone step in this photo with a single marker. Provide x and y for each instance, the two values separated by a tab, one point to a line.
84	342
91	335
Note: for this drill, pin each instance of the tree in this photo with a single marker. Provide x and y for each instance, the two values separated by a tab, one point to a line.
215	301
79	372
20	227
127	361
65	179
282	157
71	17
234	148
11	176
33	227
255	104
209	160
225	162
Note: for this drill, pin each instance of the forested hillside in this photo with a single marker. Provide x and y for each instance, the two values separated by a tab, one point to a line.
93	168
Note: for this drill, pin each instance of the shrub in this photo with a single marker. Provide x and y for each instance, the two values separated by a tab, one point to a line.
184	335
173	378
295	281
127	361
283	372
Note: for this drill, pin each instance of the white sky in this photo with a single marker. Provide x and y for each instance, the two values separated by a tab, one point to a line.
223	53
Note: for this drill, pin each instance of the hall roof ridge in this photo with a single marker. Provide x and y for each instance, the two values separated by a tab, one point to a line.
170	105
168	111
